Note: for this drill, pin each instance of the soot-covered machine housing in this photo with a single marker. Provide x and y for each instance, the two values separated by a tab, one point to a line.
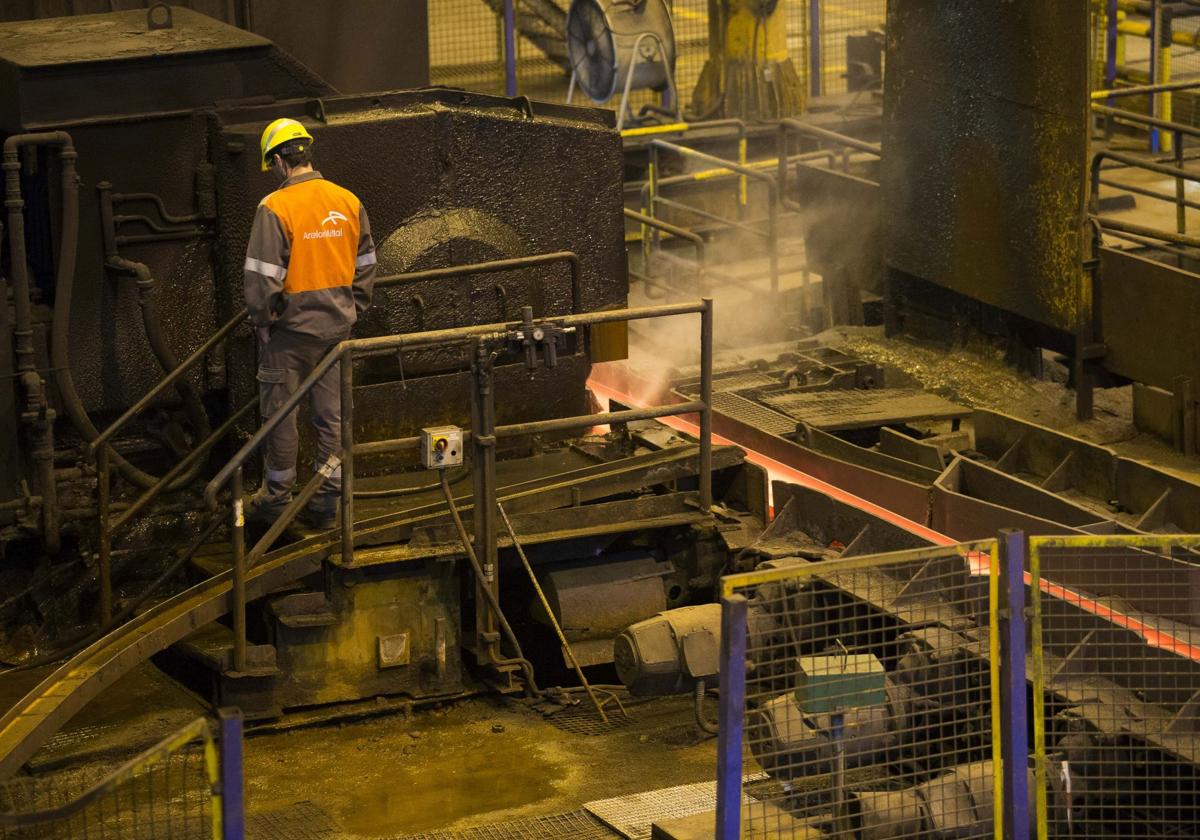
166	122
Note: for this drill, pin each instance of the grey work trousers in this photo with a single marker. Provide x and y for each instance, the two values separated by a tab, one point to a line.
285	359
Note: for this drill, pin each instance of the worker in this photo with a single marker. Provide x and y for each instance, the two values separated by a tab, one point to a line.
309	272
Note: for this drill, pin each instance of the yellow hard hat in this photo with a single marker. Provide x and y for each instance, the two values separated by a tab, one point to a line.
281	131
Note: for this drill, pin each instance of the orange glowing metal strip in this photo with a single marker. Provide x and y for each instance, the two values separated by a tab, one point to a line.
979	561
777	469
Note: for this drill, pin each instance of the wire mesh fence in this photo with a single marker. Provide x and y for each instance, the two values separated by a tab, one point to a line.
869	694
169	791
1117	678
466	44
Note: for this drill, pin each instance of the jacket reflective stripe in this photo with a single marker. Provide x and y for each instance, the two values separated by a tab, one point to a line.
266	269
310	260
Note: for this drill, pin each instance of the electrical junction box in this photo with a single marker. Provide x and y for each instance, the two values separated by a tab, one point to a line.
441	447
828	684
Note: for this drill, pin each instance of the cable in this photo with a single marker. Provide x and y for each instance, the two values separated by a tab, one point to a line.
395	492
711	729
562	637
493	601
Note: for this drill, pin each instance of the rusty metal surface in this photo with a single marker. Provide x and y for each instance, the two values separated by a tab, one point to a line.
1147	319
852	409
448	178
984	150
38	715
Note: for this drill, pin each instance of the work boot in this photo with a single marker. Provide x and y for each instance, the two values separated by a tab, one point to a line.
262	510
320	514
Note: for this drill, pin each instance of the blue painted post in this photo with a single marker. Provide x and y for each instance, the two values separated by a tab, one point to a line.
733	704
1014	711
510	48
1155	25
1110	45
233	803
814	47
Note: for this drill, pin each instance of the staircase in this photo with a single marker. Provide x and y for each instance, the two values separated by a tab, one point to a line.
542	23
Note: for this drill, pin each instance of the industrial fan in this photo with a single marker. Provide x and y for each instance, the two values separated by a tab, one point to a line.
621	45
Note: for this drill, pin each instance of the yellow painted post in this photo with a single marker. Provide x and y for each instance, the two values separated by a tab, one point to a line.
743	191
1039	687
996	693
1164	63
1120	42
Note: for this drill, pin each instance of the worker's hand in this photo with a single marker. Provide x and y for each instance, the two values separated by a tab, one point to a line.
264	334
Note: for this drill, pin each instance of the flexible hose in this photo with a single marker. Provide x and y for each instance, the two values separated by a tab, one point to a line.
60	349
148	301
701	721
494	602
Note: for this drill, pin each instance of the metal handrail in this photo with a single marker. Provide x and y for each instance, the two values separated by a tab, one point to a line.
489	267
772	233
786	127
167	381
99	448
388	344
344	353
691	236
1146	119
1143	90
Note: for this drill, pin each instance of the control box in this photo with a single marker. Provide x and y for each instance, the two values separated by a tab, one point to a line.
441	447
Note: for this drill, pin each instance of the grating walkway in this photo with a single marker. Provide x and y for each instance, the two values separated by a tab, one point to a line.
644	716
634	816
302	821
578	825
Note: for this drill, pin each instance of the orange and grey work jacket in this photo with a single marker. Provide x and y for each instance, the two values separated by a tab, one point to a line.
310	262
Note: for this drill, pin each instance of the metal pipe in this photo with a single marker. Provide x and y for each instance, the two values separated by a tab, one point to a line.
238	538
772	197
537	587
37	405
1150	233
15	204
685	127
493	267
347	502
706	377
748	227
1107	182
833	136
193	458
1150	243
483	443
166	382
294	507
683	233
1180	197
103	486
1144	119
468	548
720	173
583	421
157	201
383	447
152	323
1143	90
1136	162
